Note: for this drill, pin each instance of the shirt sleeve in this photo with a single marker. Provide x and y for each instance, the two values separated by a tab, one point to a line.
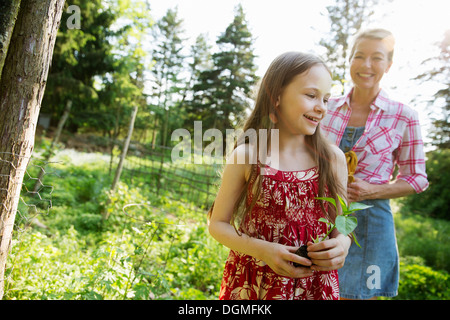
411	157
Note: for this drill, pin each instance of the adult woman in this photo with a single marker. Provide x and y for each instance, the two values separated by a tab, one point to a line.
383	133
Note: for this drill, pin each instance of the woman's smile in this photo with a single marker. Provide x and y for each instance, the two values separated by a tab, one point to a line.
365	75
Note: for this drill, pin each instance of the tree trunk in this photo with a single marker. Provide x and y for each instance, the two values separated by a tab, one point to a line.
8	16
22	86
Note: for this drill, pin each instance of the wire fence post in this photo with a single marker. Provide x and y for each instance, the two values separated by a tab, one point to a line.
126	144
125	149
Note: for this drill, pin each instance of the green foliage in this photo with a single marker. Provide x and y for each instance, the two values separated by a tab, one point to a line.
344	223
156	247
419	282
79	56
424	237
185	267
99	67
435	201
151	247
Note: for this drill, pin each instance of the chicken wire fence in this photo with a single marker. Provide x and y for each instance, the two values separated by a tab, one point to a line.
34	199
194	184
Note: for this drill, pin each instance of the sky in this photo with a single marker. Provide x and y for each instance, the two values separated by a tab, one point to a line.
298	25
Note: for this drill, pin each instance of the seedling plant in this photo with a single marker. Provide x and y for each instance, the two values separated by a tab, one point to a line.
345	222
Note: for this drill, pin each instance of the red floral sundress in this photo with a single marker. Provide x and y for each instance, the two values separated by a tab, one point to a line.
287	213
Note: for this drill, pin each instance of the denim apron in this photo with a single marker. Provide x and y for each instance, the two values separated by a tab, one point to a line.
373	269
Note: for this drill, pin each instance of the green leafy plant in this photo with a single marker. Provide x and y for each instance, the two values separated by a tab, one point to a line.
345	222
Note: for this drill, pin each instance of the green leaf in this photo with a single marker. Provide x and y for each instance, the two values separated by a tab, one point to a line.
346	224
327	199
92	295
354	239
323	220
316	240
355	206
343	204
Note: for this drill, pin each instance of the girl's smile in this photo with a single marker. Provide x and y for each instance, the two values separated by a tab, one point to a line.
312	119
302	103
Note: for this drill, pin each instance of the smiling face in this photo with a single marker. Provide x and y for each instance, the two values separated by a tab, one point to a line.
370	61
303	102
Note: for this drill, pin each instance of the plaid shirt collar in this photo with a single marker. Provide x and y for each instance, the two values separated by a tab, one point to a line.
381	101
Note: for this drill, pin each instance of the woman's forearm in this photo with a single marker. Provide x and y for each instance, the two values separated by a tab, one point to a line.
396	189
361	190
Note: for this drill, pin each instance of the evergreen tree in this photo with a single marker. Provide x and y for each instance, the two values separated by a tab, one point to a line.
99	67
440	133
169	63
195	99
123	89
80	57
201	59
223	93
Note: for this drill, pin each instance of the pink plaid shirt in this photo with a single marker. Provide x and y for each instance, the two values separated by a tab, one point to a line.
391	136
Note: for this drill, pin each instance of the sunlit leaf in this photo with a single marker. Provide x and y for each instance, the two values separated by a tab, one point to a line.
343	204
355	206
356	240
346	224
327	199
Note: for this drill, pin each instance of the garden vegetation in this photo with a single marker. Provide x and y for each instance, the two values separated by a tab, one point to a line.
154	247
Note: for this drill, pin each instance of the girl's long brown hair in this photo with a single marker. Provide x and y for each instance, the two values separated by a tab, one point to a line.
279	74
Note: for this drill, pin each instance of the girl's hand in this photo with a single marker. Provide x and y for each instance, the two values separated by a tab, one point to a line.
329	254
280	257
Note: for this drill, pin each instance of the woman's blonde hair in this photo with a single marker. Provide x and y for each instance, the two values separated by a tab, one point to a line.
376	34
279	74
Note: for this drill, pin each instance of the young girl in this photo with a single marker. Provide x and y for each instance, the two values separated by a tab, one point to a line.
265	211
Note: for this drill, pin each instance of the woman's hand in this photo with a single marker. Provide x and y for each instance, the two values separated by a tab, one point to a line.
329	254
360	190
280	257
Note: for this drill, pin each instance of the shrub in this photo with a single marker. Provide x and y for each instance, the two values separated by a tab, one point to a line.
419	282
435	201
424	237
